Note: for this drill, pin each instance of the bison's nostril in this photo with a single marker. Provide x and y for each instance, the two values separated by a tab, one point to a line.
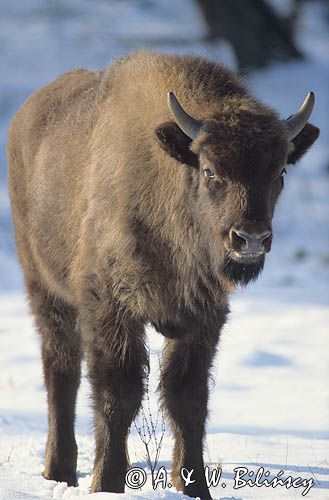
238	241
267	237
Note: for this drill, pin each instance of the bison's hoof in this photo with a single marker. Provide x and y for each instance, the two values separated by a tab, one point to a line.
61	477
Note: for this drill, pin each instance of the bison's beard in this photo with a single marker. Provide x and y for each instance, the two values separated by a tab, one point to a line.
241	273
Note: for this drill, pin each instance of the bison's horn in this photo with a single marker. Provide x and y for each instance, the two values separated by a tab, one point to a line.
297	122
189	125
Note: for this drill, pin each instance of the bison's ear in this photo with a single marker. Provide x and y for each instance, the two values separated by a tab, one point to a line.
172	140
302	142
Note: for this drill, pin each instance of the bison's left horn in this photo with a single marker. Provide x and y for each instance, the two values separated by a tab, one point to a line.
297	122
189	125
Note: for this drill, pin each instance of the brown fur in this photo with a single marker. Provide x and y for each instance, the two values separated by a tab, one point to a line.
117	226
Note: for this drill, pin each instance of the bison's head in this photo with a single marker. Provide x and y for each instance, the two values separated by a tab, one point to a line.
239	158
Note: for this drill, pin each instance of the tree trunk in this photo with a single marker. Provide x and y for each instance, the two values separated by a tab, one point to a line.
257	34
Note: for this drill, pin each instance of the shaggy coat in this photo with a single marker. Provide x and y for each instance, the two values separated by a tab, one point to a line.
117	226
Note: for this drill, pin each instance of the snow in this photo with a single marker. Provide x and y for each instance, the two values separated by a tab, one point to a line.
269	396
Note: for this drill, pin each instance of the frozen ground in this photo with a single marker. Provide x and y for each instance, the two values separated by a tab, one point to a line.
270	398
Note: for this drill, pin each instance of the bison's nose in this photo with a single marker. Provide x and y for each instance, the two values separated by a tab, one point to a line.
246	242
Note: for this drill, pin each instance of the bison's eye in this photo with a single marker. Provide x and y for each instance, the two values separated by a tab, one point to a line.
283	172
208	173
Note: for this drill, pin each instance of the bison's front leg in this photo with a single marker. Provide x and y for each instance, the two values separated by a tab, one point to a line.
184	388
117	362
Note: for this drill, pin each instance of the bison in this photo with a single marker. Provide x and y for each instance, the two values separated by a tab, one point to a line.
130	209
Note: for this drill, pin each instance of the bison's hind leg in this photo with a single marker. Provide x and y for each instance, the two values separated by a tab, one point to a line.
61	356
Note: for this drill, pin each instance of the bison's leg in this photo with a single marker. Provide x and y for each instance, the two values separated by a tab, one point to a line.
184	391
117	362
61	356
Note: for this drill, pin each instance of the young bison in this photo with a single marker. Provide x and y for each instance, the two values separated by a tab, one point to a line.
128	211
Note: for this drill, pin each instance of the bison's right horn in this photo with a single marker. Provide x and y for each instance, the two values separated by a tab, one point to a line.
297	122
189	125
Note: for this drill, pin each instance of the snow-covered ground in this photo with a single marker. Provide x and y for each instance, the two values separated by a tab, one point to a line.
270	396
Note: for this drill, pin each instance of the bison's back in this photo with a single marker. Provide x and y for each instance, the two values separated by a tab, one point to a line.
47	154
